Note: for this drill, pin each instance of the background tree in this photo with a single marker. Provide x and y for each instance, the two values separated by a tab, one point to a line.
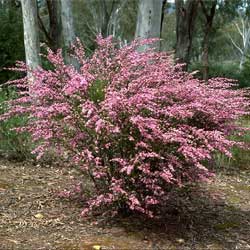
89	20
106	15
186	12
31	33
149	21
242	27
68	31
168	29
209	13
49	20
55	22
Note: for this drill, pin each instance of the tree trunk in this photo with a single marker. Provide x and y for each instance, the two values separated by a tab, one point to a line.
205	62
105	17
115	14
185	22
164	3
243	31
207	31
31	33
68	32
54	23
242	60
149	20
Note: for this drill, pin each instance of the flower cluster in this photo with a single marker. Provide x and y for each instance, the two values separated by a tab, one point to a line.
133	121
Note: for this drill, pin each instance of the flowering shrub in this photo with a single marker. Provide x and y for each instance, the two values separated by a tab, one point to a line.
134	122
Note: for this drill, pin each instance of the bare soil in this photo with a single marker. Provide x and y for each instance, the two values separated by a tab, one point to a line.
32	216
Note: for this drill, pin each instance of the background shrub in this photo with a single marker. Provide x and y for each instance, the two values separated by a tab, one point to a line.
13	145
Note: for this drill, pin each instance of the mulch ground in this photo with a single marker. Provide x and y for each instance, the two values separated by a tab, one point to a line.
32	216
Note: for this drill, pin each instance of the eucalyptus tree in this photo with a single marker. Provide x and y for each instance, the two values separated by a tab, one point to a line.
51	30
208	9
31	33
106	17
68	31
149	20
242	27
186	12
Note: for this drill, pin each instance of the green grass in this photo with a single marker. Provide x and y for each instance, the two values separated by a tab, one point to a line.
240	157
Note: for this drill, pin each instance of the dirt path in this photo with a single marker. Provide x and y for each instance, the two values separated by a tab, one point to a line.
32	217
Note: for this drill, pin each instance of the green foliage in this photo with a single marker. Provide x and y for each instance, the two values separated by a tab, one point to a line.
240	156
245	74
168	32
97	91
13	144
227	69
228	9
11	39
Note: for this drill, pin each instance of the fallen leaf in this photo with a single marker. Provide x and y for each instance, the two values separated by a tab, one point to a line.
14	241
38	216
181	241
97	247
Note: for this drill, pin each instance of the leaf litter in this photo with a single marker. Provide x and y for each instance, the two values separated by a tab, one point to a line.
212	216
